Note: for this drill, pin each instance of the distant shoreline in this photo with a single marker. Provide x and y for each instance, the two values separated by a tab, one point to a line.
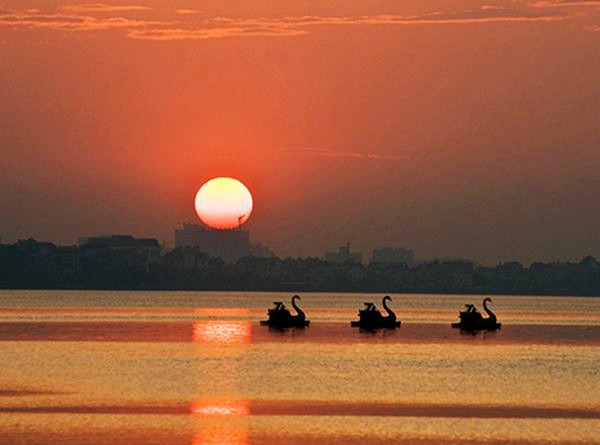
33	265
312	291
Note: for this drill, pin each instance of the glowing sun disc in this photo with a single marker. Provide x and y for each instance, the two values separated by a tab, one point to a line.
224	203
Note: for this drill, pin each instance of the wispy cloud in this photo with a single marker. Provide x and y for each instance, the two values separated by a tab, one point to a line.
485	14
101	7
585	8
33	19
564	3
77	18
171	34
221	27
187	11
329	153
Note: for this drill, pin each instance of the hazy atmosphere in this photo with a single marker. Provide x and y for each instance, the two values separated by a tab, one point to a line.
455	129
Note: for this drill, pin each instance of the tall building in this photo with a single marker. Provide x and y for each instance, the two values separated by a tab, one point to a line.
344	255
393	255
230	245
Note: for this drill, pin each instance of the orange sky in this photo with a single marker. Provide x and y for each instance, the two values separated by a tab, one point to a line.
452	128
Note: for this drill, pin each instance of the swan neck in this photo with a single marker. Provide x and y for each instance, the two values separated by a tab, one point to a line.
488	310
299	311
387	309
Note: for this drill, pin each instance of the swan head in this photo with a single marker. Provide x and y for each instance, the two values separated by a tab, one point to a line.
296	297
487	300
387	298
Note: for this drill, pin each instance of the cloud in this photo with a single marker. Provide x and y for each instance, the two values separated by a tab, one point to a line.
595	4
329	153
69	22
486	14
220	27
564	3
226	27
171	34
101	7
187	11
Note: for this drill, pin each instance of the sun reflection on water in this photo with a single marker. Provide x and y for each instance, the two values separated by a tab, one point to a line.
220	420
214	435
221	408
221	332
218	430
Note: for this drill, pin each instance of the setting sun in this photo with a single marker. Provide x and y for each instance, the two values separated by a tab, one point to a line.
224	203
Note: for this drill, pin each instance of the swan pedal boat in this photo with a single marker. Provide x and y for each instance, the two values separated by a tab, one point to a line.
370	318
472	320
281	318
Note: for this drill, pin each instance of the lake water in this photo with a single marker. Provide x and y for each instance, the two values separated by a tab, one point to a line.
196	368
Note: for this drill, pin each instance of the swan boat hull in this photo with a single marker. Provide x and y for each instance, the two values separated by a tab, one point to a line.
477	326
286	324
382	325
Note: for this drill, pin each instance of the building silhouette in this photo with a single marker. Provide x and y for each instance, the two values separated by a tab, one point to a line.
187	258
125	262
230	245
121	250
393	255
344	255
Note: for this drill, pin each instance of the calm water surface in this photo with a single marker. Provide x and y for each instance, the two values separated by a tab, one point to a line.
196	368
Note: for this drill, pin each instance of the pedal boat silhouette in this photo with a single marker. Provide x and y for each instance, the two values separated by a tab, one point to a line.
370	317
281	318
472	320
